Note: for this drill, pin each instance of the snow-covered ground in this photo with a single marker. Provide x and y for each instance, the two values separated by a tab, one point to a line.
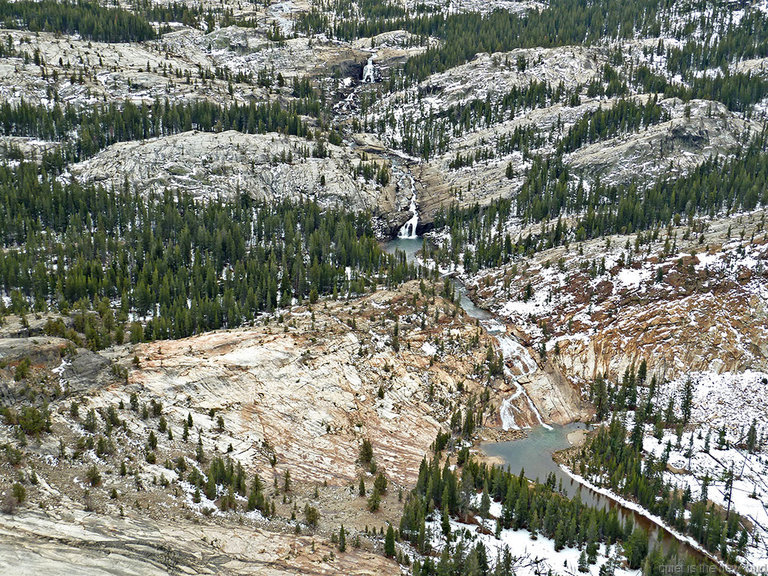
680	303
728	402
532	557
713	334
715	443
629	505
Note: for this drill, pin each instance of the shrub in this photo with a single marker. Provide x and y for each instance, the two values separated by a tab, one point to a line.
93	476
22	370
9	504
311	515
366	452
34	421
19	492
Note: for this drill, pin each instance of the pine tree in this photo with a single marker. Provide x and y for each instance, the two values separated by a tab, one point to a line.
366	452
752	437
342	539
445	522
636	548
583	566
560	535
642	371
687	401
396	337
374	501
389	542
485	503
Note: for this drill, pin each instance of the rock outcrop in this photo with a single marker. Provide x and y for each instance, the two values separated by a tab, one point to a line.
305	396
63	543
268	167
700	308
117	469
698	130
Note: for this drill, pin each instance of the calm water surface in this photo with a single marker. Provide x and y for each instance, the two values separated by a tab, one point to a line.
534	452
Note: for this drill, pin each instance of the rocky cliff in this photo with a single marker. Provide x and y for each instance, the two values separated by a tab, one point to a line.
692	299
290	399
269	167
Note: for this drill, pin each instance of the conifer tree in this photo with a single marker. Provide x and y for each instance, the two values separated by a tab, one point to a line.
342	539
389	542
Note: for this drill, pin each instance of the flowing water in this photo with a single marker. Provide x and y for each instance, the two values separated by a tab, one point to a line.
533	455
534	452
408	230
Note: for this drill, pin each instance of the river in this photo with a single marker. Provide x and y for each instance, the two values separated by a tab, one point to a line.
534	452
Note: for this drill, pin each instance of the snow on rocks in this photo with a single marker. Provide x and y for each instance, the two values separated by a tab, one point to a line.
532	557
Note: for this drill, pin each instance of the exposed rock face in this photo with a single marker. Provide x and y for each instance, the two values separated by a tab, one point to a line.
678	312
85	73
309	402
30	148
537	393
86	372
308	396
486	76
718	331
135	71
478	6
291	399
72	542
697	131
498	73
223	164
295	399
556	399
39	350
217	164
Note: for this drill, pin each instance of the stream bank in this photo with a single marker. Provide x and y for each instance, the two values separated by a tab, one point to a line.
535	448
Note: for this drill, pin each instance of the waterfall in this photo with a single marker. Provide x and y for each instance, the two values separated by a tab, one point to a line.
511	348
368	72
408	230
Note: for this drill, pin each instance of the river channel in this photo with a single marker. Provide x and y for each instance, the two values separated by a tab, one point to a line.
534	452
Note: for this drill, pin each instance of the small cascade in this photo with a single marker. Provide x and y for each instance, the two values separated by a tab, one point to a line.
511	348
507	411
368	71
408	230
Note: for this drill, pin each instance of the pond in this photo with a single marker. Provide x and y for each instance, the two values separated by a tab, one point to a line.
534	452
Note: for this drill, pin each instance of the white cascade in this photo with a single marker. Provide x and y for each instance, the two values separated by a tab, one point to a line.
511	348
408	230
368	72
